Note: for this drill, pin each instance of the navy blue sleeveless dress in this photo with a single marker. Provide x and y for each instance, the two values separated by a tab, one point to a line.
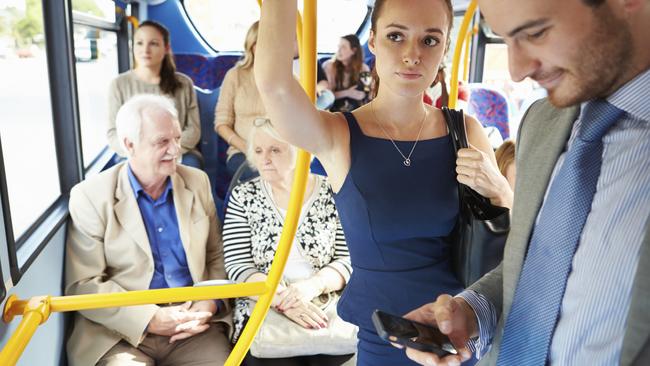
396	221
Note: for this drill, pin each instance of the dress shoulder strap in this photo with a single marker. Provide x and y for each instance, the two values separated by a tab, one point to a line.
353	125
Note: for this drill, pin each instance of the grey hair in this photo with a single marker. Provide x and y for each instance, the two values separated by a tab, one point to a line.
269	130
128	123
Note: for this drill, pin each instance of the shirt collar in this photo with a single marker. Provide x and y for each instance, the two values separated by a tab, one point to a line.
633	97
137	187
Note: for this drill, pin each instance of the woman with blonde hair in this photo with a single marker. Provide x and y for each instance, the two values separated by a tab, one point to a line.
239	104
505	155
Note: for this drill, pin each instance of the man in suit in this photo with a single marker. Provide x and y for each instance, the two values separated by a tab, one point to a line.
147	223
573	287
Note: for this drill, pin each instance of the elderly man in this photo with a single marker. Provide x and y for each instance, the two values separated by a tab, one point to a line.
573	286
147	223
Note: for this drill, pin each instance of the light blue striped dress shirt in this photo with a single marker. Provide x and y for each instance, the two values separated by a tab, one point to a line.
597	299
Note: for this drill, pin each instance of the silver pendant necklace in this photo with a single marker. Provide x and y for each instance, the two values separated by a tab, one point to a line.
407	159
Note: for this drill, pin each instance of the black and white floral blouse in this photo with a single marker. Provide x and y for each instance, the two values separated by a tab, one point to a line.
252	229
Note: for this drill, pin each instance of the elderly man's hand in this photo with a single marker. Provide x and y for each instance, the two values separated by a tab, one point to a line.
198	325
167	321
455	318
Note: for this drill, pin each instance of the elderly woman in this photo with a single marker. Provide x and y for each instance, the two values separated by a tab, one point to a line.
319	261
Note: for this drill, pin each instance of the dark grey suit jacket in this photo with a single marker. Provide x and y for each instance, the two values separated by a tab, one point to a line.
543	135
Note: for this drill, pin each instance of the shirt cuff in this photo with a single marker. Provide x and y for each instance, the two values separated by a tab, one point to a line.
486	316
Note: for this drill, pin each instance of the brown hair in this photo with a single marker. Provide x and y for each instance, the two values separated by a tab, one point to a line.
354	68
169	83
251	40
374	17
505	155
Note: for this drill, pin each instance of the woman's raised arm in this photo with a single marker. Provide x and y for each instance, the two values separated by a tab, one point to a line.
291	112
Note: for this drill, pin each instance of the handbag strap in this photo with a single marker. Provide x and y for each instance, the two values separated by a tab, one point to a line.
456	126
468	198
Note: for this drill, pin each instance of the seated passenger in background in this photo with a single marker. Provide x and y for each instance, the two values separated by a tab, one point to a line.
441	92
146	223
155	73
343	72
505	155
319	261
239	104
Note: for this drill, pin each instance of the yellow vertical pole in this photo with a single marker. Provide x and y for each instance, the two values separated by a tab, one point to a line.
453	89
307	51
19	339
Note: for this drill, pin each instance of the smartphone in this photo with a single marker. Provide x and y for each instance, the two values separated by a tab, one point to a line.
412	334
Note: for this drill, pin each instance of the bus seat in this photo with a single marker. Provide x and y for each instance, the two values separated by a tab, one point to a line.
212	149
490	107
206	72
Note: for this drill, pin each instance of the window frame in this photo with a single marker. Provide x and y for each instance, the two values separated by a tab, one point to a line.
361	31
58	27
89	21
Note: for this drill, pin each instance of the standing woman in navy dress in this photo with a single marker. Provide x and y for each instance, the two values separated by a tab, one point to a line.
390	162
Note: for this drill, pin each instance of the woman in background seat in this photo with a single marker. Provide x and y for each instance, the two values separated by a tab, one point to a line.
239	104
343	75
155	73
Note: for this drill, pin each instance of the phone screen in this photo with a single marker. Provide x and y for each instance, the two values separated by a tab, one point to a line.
422	337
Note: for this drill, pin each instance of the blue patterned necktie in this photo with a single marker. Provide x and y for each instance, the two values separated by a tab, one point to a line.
538	296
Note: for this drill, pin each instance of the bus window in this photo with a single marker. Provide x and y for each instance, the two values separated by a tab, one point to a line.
104	9
225	30
26	125
495	73
96	65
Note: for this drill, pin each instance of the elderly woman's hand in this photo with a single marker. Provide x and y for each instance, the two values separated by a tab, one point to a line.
301	291
307	315
476	170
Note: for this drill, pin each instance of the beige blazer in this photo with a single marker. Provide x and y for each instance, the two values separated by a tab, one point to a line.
543	137
108	251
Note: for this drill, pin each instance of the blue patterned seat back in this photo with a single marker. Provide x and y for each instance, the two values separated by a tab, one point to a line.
206	72
490	107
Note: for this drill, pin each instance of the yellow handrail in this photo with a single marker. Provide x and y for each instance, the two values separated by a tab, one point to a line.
307	43
453	89
38	309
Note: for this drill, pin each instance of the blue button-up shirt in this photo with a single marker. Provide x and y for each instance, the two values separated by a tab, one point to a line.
161	223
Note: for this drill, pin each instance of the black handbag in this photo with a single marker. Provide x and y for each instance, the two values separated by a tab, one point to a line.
480	234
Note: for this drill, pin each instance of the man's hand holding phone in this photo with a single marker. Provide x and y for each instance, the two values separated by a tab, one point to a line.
455	319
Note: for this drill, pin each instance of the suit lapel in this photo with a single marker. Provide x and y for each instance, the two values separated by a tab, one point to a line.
638	319
543	139
183	199
128	214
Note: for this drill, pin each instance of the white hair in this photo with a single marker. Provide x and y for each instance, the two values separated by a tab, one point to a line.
128	123
267	128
